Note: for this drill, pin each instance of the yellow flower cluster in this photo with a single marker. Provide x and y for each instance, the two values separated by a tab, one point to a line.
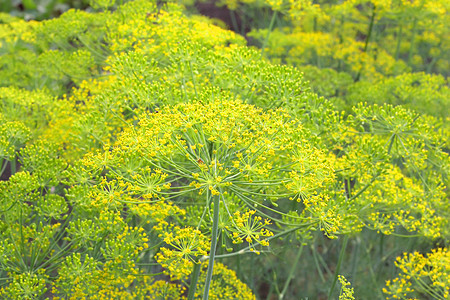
27	285
225	284
162	289
13	136
143	31
250	229
370	41
346	291
421	276
188	246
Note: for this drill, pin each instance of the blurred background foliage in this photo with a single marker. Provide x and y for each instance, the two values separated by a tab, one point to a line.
403	46
40	9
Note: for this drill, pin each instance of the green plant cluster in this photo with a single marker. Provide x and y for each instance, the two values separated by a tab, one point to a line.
145	154
358	50
39	9
46	9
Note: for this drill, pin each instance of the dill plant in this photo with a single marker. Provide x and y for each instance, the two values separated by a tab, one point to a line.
158	145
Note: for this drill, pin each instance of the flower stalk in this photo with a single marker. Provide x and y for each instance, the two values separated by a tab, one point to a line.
212	252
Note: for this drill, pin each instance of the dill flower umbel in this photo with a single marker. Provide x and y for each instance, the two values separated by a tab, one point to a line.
346	291
226	285
421	276
187	246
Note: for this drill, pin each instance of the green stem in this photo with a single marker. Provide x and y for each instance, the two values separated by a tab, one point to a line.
366	44
355	257
431	64
341	41
413	37
371	272
193	79
338	267
269	294
369	34
194	279
277	290
291	272
238	271
13	166
381	246
272	22
212	252
399	41
22	239
234	21
3	166
29	4
316	262
243	23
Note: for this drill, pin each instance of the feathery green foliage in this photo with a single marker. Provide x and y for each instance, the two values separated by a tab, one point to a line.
147	154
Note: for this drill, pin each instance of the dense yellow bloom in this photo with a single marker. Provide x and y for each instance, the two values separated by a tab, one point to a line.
25	286
421	276
250	230
225	284
346	291
187	246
